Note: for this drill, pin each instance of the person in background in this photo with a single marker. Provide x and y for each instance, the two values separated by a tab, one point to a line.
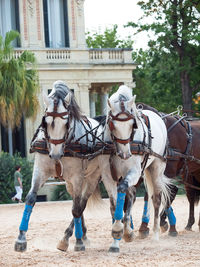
18	184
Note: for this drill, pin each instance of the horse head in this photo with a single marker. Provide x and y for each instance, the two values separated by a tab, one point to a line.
57	118
122	120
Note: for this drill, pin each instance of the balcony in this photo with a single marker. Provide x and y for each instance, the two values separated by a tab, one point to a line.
88	56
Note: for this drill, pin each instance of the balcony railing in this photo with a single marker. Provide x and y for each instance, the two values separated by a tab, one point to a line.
88	56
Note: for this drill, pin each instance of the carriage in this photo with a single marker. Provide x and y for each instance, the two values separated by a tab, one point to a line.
82	151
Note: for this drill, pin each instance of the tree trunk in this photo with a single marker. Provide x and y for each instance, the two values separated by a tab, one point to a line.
186	92
10	141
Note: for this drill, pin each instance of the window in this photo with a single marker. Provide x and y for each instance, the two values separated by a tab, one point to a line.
9	18
18	139
56	23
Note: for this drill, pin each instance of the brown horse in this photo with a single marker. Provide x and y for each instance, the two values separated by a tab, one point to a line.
183	159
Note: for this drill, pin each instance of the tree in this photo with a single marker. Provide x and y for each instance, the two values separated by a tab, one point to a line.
176	27
108	39
18	85
156	79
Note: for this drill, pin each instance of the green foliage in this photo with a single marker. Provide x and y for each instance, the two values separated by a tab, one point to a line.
108	39
156	80
7	169
176	29
18	83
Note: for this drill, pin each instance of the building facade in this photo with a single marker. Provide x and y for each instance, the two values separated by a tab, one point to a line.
54	31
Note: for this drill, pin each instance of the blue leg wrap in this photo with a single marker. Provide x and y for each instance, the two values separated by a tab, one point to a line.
25	218
78	228
171	216
119	206
132	226
145	216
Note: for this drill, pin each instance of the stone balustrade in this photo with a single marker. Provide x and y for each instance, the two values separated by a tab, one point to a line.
88	56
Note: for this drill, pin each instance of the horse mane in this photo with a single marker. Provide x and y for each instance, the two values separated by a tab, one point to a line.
60	91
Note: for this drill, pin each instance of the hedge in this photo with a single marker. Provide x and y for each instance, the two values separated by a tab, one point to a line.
7	169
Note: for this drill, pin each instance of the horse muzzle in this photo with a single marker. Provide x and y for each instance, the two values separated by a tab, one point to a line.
55	156
123	155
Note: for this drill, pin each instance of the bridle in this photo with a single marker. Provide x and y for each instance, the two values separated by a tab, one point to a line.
129	116
56	114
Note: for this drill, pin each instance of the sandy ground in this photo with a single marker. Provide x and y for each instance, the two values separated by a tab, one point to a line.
49	220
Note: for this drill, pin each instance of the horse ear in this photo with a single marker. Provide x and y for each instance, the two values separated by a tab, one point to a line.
109	104
68	99
133	104
130	102
45	98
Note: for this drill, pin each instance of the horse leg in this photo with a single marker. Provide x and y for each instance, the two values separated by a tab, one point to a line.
163	223
169	213
84	238
37	182
191	218
154	185
77	211
111	188
127	220
144	229
118	227
64	242
21	243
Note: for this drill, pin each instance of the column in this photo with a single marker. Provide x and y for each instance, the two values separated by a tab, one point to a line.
84	97
93	99
104	99
80	24
31	23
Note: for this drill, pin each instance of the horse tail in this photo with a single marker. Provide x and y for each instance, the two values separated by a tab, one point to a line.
95	199
193	193
165	184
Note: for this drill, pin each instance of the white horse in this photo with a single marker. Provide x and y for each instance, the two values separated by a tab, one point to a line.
63	125
145	131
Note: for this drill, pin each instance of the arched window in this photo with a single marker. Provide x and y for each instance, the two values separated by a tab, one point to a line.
56	23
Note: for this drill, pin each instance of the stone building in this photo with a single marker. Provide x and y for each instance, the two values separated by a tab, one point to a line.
54	30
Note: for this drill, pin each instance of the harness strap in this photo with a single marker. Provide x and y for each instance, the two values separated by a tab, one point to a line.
56	141
175	123
59	170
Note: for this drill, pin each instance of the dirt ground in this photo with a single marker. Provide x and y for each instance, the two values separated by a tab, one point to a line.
49	220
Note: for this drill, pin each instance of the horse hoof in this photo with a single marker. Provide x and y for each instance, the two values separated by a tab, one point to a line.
164	227
79	246
173	234
20	246
188	228
129	237
113	250
143	234
63	245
